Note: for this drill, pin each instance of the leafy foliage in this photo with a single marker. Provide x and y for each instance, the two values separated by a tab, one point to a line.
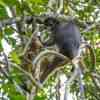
86	11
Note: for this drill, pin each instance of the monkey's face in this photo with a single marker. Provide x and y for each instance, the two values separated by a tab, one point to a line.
50	21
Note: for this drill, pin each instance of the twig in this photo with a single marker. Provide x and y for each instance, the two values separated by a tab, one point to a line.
82	95
61	6
6	74
72	78
32	94
39	85
90	27
30	40
50	3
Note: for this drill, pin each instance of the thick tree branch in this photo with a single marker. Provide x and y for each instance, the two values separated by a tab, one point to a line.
26	19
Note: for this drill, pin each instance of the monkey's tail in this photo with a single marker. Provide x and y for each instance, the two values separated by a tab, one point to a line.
92	54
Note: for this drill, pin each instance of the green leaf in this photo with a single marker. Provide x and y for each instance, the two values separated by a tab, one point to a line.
9	31
11	41
1	35
26	8
3	13
17	97
10	2
12	93
15	57
1	48
40	98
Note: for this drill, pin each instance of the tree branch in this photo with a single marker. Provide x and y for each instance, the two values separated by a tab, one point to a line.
35	82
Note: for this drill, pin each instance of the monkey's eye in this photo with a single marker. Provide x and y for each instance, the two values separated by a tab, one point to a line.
50	21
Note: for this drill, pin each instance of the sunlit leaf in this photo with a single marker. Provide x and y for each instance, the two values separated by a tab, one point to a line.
10	2
1	48
15	57
8	31
3	13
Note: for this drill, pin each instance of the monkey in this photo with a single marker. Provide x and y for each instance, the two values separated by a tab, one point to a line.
66	36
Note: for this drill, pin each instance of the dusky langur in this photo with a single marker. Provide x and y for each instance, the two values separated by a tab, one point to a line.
66	35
